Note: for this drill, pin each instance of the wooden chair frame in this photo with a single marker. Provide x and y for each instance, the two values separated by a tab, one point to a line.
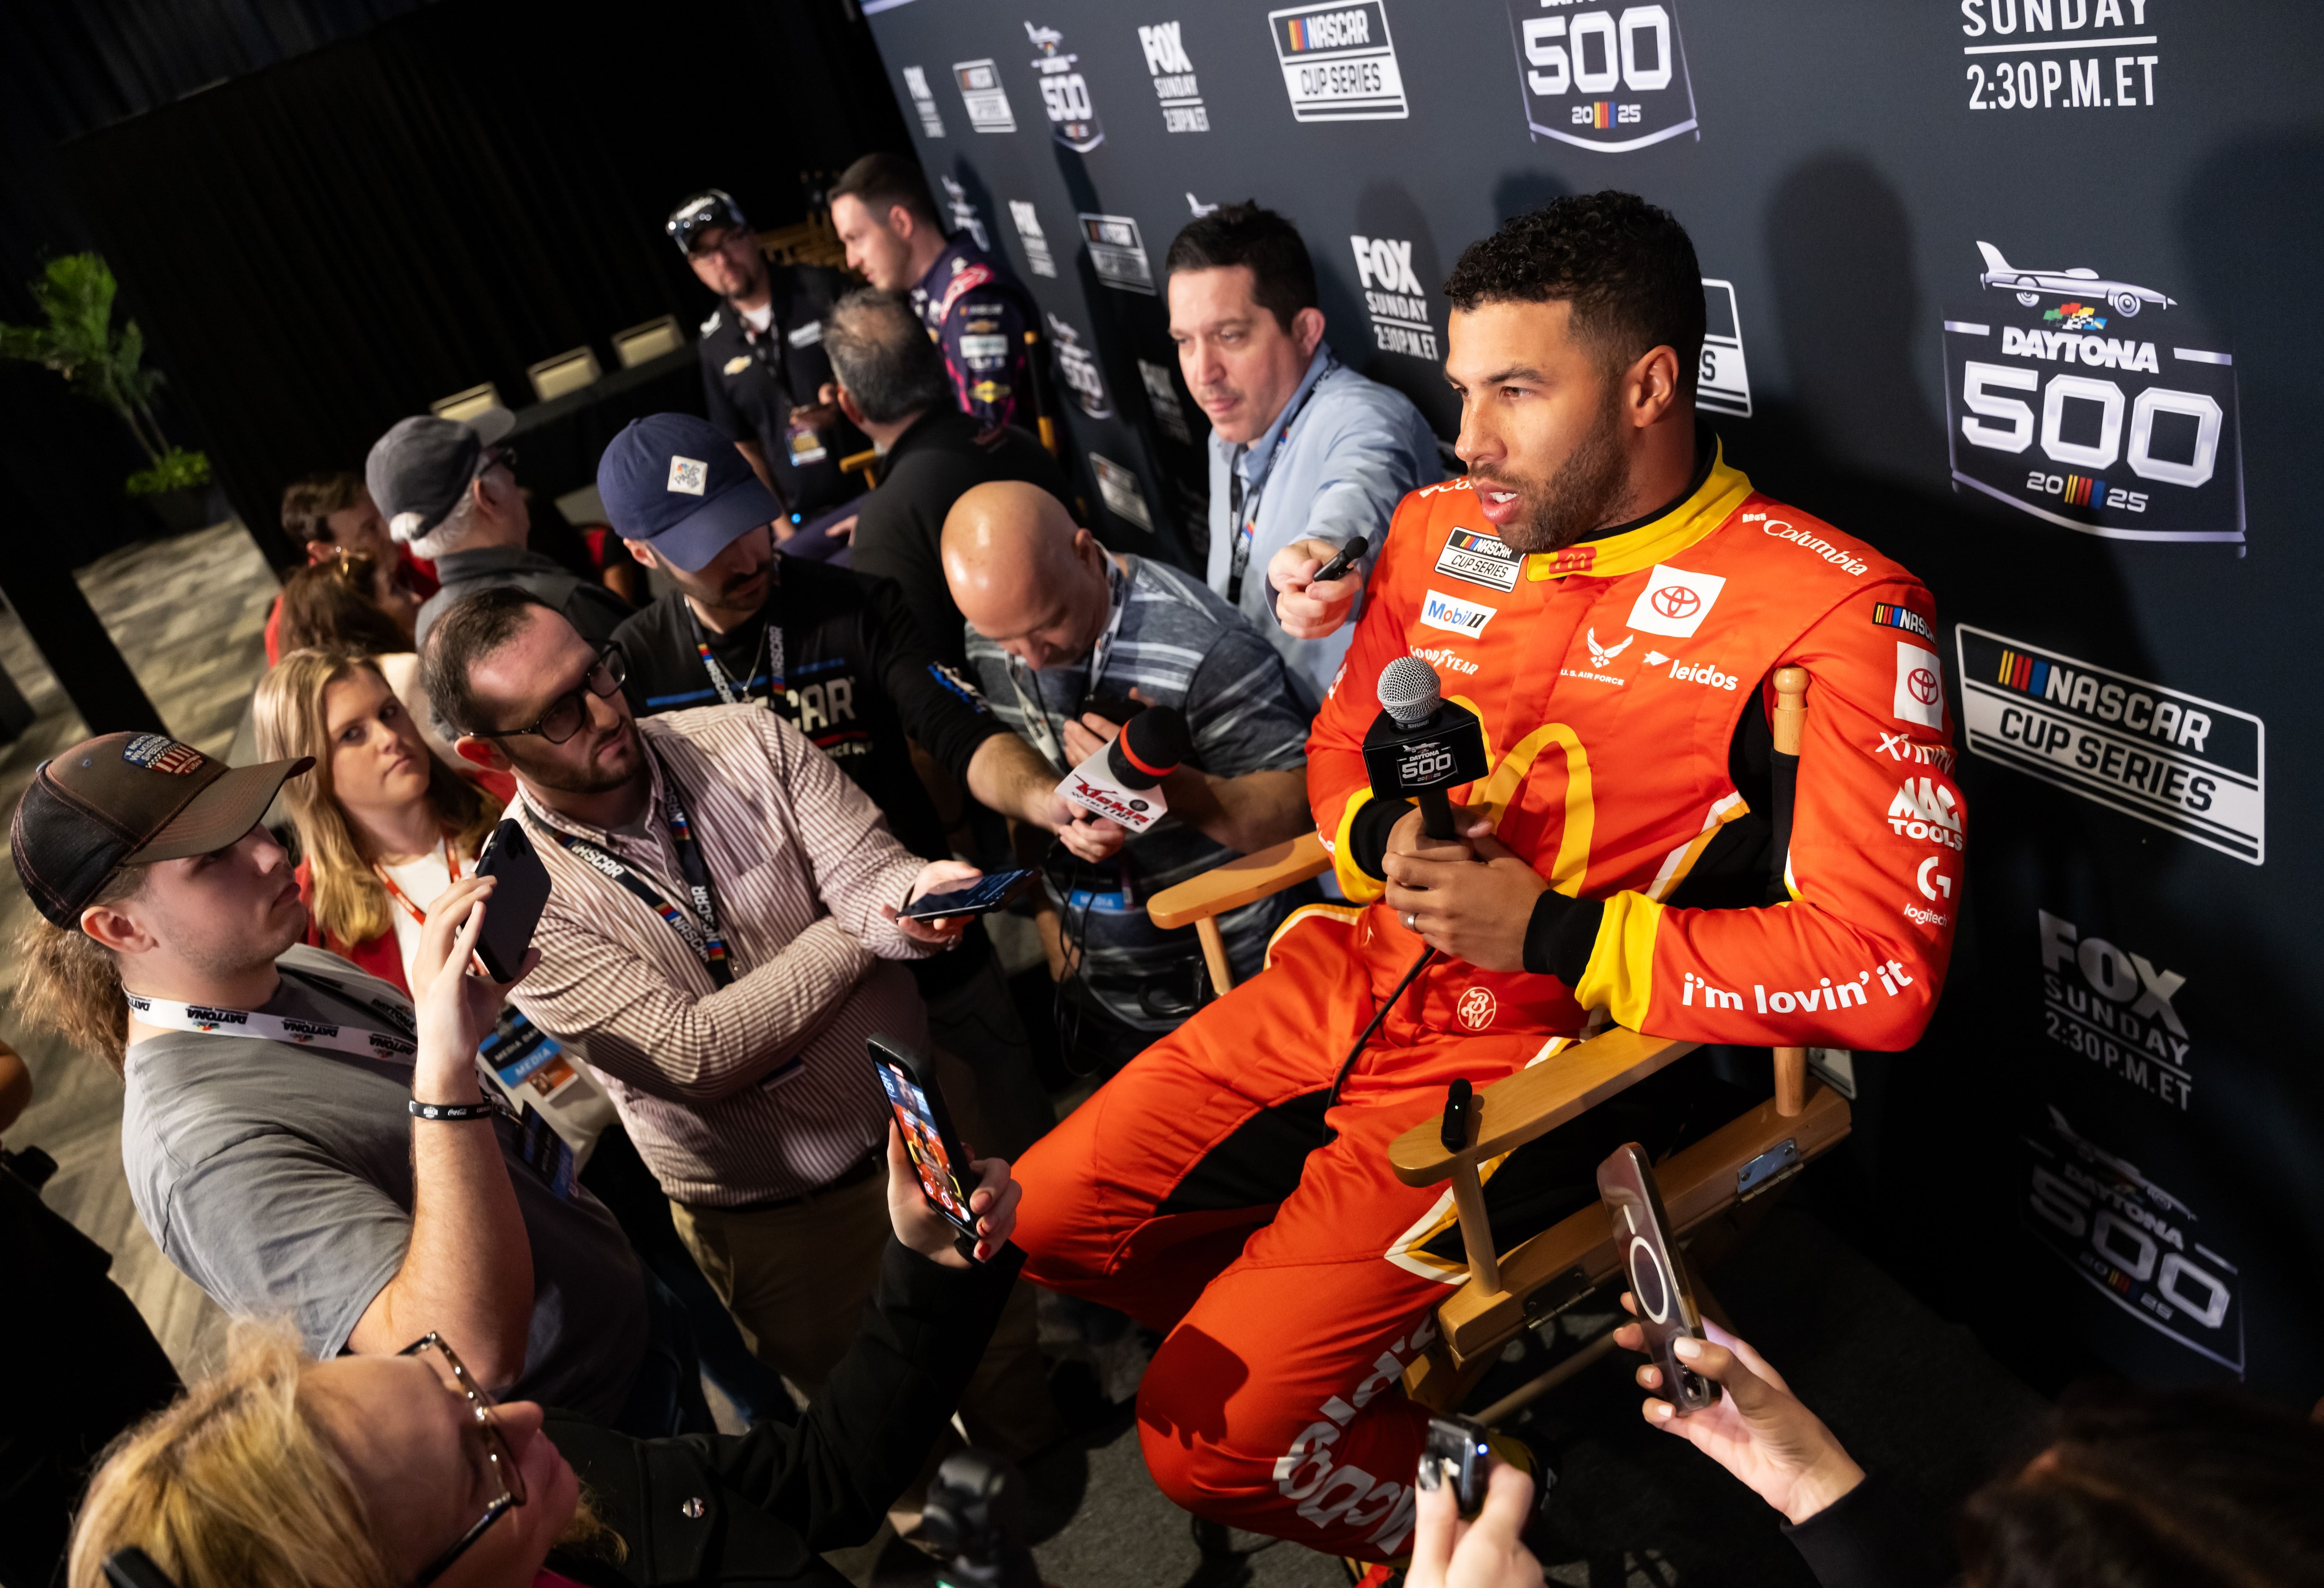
1506	1292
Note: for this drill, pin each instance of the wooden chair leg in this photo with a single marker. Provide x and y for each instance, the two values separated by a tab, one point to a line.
1791	1080
1476	1229
1214	953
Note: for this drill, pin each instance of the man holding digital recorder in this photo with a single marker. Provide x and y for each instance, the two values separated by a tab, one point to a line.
724	934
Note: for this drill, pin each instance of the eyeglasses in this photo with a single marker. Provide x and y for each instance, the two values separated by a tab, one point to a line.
568	711
498	1457
497	457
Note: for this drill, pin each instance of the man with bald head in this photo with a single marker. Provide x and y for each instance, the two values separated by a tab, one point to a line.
1067	640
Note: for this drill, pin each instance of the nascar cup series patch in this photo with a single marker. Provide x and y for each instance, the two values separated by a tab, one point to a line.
1481	559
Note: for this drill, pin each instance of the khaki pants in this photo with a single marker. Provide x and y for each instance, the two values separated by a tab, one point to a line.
798	1277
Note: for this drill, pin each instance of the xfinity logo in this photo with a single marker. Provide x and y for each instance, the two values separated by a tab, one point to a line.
1172	71
1439	610
1394	297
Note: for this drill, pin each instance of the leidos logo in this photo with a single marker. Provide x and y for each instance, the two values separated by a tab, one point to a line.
1172	71
1602	79
2132	1243
1394	297
1065	92
2114	1008
2149	451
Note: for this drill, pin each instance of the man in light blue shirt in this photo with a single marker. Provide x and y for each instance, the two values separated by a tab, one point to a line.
1302	447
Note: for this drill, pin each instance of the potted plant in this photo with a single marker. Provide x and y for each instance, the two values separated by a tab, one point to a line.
106	365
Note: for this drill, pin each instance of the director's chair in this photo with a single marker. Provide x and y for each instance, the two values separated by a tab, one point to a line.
1506	1292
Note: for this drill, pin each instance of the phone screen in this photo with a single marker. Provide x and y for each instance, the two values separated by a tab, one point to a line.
980	897
924	1139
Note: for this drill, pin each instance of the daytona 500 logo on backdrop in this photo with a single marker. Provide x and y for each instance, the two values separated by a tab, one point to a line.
1602	77
2093	402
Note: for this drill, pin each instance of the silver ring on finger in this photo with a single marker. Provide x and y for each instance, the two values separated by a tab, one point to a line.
1411	922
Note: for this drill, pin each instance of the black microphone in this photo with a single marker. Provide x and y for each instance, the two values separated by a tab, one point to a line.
1421	744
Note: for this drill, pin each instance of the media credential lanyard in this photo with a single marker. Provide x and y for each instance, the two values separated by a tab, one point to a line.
699	930
1242	505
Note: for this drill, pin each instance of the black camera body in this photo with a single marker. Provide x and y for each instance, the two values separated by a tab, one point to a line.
975	1514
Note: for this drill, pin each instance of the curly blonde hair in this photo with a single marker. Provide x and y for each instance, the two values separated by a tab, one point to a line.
289	716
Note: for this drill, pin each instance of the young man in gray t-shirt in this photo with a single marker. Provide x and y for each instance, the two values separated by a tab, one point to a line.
298	1138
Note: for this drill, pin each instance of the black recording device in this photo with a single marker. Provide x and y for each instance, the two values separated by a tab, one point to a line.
1342	560
1422	744
1462	1457
519	896
975	1517
981	897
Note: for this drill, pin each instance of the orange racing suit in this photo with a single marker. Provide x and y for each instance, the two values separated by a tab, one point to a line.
1207	1190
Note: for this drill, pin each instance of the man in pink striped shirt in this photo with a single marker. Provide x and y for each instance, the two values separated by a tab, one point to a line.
721	938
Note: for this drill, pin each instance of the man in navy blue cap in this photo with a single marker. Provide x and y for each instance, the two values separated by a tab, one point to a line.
838	655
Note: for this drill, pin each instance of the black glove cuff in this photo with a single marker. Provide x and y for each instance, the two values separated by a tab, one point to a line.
1367	835
1561	935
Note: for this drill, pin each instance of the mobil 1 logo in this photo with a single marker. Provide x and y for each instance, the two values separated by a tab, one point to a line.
2132	1242
2090	401
2115	1007
2189	765
1602	77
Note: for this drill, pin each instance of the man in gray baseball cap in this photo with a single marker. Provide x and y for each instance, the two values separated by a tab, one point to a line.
447	488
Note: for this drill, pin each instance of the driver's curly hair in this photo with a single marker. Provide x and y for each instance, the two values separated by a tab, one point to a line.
1627	268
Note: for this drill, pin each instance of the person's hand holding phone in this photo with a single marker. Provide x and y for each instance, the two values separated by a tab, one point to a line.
937	876
1305	608
457	1003
1487	1552
1760	1431
920	1226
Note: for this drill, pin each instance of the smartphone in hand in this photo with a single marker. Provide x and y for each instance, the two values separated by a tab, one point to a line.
1657	1273
981	897
1462	1458
946	1181
519	896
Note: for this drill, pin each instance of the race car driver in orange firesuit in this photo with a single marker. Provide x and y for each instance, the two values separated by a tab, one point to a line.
1610	596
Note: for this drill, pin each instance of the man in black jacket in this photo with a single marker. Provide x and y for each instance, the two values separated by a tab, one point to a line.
448	1484
892	385
762	367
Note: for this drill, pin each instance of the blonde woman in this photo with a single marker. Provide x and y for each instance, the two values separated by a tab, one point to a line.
378	1471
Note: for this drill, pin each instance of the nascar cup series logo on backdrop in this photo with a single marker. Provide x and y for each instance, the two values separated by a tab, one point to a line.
1065	92
2094	403
1602	77
1339	62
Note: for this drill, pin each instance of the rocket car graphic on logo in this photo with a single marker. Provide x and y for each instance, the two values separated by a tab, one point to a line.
2067	402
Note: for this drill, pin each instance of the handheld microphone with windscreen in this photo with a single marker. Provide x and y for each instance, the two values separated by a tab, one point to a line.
1124	780
1421	744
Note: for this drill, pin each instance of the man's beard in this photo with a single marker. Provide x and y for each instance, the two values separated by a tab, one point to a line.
564	779
1581	495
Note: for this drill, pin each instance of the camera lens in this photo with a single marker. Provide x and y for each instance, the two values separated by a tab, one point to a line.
1648	1282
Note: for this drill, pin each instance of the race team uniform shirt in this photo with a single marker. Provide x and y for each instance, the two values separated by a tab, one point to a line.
854	678
753	376
1623	684
976	312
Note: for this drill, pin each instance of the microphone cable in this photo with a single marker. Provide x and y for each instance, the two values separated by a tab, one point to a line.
1379	1015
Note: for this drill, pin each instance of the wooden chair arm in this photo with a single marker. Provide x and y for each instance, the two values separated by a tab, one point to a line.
1530	1103
1240	882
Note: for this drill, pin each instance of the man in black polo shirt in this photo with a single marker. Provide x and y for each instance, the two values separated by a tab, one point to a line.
892	385
838	654
762	366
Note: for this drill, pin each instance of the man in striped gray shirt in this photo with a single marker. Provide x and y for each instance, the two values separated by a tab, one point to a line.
721	937
1066	638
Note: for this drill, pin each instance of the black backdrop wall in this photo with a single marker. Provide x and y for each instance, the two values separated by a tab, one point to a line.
2106	1148
322	246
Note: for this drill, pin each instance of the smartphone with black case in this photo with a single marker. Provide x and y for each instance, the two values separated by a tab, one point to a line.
1114	708
1462	1456
1657	1273
981	897
518	895
935	1149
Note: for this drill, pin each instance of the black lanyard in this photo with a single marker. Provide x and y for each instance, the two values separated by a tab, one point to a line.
700	931
1245	526
731	692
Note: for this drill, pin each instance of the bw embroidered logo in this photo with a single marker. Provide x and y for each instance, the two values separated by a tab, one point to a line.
1604	657
1476	1009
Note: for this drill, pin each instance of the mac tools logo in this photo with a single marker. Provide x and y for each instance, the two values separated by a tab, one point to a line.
1173	70
1065	92
1339	63
2093	404
2190	766
2132	1243
1394	297
1601	79
1077	369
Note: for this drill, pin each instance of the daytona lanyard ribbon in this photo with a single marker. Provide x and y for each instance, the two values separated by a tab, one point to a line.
340	1037
700	931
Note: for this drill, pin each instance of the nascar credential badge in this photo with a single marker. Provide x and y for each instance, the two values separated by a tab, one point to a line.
1480	559
2095	404
1605	78
2181	762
